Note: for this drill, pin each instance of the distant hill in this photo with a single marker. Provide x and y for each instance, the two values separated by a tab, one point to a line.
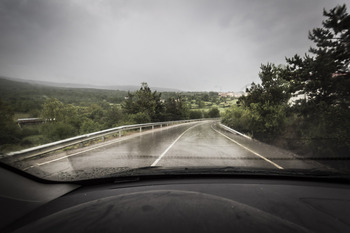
74	85
16	93
26	96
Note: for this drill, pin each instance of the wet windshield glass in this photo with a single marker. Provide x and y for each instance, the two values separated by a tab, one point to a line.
89	89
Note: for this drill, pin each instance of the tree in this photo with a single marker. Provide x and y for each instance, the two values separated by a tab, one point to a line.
144	101
213	96
96	113
239	118
200	103
321	120
195	114
205	97
214	112
9	132
64	120
325	76
58	130
53	110
89	126
266	103
274	87
113	116
176	109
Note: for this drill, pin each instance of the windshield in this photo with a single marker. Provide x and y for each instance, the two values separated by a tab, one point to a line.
91	89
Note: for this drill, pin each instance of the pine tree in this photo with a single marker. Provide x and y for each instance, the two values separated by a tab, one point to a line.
324	75
144	101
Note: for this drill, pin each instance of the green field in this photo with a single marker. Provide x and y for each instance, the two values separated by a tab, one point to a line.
222	106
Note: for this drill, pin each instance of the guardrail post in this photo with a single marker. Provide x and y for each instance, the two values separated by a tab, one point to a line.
120	133
152	127
140	129
81	145
103	138
161	125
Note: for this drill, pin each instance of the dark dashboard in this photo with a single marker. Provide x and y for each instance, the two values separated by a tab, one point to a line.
175	204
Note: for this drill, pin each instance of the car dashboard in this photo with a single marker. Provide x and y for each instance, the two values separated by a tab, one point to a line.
175	204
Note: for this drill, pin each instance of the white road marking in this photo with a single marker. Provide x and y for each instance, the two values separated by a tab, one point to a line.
90	149
80	152
257	154
171	145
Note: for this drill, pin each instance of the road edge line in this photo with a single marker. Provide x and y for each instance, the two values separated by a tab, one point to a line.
257	154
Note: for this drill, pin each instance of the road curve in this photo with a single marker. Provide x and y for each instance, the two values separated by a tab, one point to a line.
190	144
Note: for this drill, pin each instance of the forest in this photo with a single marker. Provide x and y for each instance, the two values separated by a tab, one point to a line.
68	112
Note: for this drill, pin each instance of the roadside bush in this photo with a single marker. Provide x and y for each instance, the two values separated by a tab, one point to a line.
214	112
138	118
266	120
89	126
237	118
58	131
196	114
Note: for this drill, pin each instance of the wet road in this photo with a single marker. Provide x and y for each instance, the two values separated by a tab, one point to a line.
191	144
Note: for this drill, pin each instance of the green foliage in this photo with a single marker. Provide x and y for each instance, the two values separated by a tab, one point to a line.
9	132
145	106
113	115
144	101
214	112
28	98
176	109
318	125
325	76
205	97
324	134
238	118
267	120
58	131
264	121
263	111
71	111
274	87
325	79
89	126
200	103
139	118
53	110
195	114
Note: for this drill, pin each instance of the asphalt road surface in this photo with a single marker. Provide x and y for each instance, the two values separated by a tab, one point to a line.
191	144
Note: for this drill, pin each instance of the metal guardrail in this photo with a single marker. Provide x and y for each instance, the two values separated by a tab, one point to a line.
234	131
58	145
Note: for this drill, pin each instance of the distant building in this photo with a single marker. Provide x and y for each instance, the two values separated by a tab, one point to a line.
231	94
29	121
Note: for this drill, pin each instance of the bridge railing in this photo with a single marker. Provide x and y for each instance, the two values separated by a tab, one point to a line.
82	139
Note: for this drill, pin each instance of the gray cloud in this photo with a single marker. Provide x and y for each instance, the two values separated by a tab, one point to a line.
189	45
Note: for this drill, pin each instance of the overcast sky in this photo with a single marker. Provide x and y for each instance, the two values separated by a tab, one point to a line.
191	45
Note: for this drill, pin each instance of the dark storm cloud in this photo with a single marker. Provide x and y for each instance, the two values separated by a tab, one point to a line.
190	45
